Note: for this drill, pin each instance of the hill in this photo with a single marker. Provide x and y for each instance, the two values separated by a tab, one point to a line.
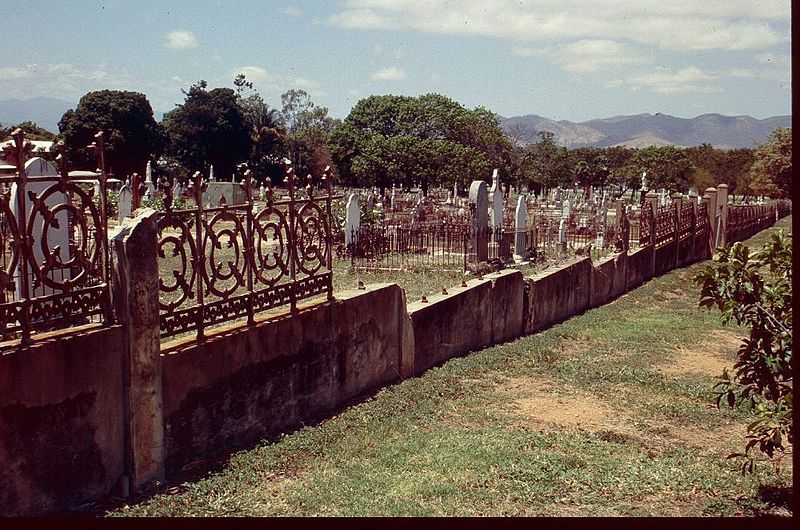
641	130
45	112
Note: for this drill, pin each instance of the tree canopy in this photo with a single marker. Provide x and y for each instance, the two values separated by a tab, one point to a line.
771	172
131	134
210	127
427	140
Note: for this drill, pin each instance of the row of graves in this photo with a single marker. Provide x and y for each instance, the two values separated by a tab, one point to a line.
407	230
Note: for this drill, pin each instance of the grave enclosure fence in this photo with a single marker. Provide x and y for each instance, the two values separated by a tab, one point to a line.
55	267
221	264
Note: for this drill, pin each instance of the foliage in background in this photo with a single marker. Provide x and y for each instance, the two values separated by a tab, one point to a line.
755	291
131	134
771	173
428	140
209	128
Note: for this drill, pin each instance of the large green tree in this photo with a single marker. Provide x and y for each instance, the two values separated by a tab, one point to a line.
667	167
131	134
210	127
545	164
308	129
771	172
425	140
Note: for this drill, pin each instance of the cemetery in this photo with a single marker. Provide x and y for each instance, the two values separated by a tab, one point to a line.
208	315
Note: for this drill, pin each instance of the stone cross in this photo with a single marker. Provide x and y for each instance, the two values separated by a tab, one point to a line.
479	204
57	230
520	226
352	221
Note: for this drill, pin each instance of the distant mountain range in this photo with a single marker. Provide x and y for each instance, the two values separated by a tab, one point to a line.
44	112
642	130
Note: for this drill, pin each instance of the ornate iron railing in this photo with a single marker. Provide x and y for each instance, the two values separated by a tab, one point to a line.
645	226
665	225
686	226
220	264
55	258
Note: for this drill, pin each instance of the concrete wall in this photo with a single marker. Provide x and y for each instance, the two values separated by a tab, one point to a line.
61	421
244	384
482	313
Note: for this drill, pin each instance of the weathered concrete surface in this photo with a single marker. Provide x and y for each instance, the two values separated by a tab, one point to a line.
557	294
246	383
665	259
135	281
639	267
508	293
601	281
452	324
61	421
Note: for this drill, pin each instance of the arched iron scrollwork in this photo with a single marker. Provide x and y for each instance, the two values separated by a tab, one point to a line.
55	268
235	260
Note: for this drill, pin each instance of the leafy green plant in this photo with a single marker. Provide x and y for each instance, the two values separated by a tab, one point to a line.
755	290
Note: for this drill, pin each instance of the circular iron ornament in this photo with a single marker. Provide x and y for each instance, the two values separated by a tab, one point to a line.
84	251
174	236
310	234
9	235
223	244
271	246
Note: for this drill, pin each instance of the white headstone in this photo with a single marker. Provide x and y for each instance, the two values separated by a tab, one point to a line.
124	202
565	209
211	173
352	221
479	200
262	192
57	237
150	192
496	193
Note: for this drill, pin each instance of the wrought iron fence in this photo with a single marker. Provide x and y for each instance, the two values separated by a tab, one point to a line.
224	263
665	225
55	257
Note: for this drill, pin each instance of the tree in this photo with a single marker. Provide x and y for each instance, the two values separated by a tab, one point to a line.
210	127
771	172
308	129
267	132
667	167
131	134
423	140
718	166
755	291
31	130
545	164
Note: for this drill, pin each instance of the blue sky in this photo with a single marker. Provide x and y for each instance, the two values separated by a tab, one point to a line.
562	59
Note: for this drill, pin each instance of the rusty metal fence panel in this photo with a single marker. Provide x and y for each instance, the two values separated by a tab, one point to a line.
224	263
55	264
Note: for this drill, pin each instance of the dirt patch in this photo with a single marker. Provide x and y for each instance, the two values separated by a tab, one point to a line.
536	401
710	357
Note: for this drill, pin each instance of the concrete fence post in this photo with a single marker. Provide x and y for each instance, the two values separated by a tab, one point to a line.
651	202
677	203
135	293
710	200
722	207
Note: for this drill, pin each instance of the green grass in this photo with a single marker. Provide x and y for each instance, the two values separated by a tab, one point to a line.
604	414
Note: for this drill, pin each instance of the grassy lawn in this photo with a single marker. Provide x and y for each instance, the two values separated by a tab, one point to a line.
609	413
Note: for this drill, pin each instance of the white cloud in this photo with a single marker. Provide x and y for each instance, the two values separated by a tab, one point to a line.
666	81
594	55
180	40
677	24
359	19
389	74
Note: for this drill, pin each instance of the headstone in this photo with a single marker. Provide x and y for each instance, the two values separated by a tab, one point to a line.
479	204
211	173
370	201
124	202
262	192
455	190
352	221
496	193
150	192
57	236
520	226
176	188
565	209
